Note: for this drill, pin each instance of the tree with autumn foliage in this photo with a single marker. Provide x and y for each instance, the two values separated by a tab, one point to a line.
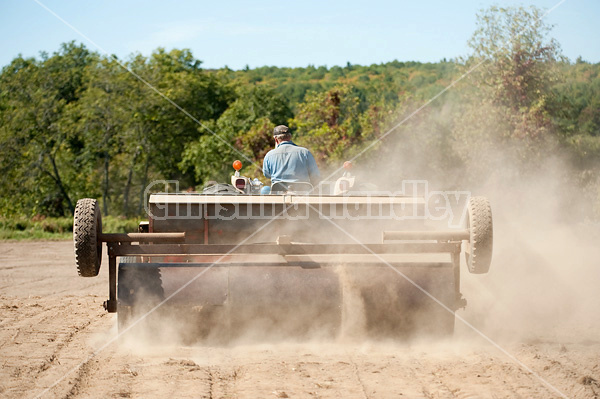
507	95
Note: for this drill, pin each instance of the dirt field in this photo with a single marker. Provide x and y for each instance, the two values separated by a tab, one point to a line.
57	341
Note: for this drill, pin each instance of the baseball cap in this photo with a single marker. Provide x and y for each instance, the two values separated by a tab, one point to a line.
281	129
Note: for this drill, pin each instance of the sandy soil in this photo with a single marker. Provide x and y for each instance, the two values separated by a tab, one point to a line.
57	341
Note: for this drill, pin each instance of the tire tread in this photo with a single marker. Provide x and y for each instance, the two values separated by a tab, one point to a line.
482	232
86	226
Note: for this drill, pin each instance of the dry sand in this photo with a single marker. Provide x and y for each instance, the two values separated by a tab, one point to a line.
52	322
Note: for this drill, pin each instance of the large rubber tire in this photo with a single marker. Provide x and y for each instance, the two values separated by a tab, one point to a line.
87	227
138	291
479	257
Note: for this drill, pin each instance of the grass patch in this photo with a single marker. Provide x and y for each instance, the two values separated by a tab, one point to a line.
111	224
53	229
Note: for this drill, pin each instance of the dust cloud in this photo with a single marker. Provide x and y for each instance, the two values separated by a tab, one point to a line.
542	284
545	273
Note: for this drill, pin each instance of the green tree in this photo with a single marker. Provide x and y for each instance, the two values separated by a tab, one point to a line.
36	147
514	66
328	123
518	67
244	131
102	117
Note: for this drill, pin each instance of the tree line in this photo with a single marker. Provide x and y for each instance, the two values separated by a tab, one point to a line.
80	124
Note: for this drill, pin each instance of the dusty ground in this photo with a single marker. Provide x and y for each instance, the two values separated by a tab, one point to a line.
57	341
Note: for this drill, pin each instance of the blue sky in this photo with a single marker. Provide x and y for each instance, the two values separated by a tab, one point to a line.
279	33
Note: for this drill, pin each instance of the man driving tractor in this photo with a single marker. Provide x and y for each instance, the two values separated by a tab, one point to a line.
290	166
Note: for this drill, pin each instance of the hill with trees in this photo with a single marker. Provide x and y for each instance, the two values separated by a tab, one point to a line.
79	124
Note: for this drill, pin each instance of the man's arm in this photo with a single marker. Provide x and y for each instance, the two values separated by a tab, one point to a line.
266	168
313	170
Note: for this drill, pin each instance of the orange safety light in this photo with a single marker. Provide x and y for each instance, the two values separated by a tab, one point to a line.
237	164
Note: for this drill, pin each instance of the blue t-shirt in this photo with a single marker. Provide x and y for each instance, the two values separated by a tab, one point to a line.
289	163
